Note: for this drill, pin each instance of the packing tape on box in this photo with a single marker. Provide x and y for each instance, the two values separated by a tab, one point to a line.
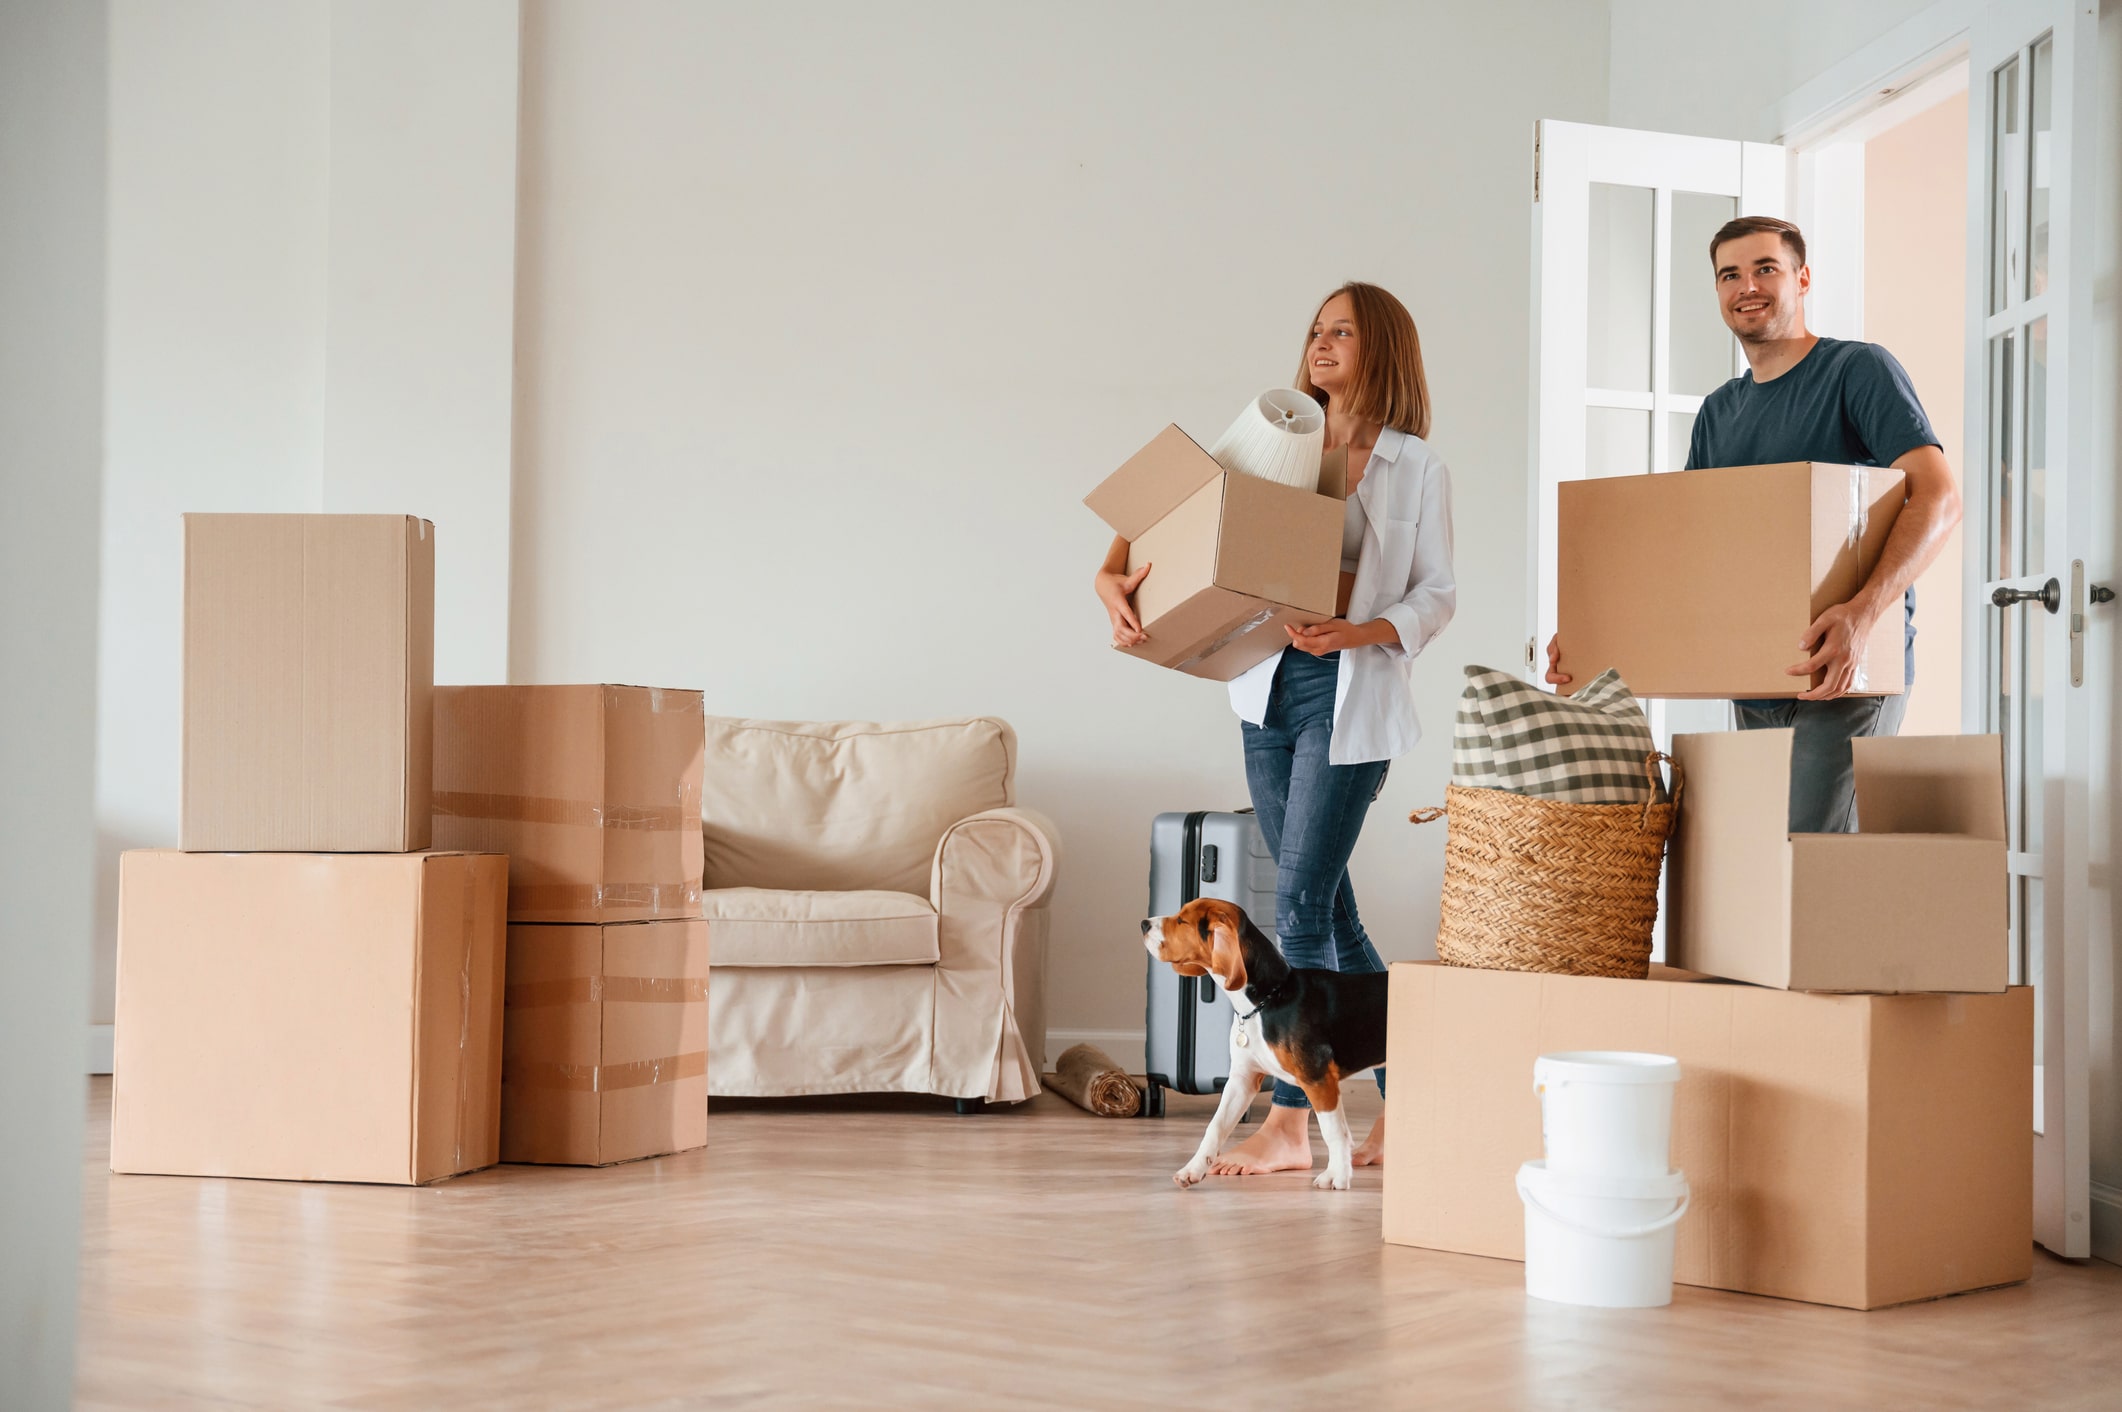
604	1078
592	990
663	700
581	813
1218	644
1859	522
668	898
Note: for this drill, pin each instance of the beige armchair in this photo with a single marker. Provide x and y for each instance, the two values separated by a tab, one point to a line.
876	910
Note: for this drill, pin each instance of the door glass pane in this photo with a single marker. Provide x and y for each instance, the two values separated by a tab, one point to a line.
1701	345
1680	427
2034	515
2003	485
1618	351
2037	183
2004	164
1616	441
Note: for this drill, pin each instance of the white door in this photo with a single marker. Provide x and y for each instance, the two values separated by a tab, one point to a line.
1627	336
2030	402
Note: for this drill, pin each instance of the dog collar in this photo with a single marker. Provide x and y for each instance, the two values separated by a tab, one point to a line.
1272	997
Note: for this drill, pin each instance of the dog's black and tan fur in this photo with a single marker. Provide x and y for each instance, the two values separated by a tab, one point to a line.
1312	1028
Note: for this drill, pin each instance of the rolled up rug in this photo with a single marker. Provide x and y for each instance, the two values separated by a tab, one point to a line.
1088	1077
1278	437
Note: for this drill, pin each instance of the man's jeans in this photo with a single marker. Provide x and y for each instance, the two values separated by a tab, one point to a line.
1310	812
1823	781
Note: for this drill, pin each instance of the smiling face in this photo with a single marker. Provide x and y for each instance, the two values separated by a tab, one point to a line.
1331	355
1200	938
1761	288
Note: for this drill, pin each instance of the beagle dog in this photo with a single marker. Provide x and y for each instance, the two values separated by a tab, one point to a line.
1312	1028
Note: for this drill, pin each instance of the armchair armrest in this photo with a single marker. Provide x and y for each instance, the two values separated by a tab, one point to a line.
990	883
1006	856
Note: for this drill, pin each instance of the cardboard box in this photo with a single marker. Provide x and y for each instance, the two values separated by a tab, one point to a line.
312	1016
1236	558
1917	901
1702	583
1860	1150
309	659
604	1048
592	791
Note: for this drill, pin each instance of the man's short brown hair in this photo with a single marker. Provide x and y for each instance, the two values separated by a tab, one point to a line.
1793	238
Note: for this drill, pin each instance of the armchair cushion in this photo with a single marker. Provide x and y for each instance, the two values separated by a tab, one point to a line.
851	805
757	926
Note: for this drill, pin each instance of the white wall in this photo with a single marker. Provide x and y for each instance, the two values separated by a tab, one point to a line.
312	213
824	329
1714	67
52	123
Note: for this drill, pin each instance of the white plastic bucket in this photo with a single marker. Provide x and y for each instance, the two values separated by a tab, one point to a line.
1607	1113
1602	1241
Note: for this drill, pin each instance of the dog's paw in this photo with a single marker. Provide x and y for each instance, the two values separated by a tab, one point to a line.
1330	1180
1189	1174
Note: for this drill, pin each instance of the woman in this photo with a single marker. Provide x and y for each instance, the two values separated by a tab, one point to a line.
1324	717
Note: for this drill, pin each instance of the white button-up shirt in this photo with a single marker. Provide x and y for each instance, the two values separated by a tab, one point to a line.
1404	576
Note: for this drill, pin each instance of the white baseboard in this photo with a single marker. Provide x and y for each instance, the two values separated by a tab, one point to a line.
100	1048
2107	1223
1125	1046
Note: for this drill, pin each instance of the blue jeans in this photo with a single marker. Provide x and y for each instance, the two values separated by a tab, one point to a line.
1823	779
1310	812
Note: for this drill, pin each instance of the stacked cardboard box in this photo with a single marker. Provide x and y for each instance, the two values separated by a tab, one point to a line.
594	793
306	991
1854	1112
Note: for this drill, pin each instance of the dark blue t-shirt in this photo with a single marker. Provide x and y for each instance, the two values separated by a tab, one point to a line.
1849	404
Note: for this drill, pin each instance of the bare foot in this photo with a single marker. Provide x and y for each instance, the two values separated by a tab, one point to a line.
1283	1144
1372	1152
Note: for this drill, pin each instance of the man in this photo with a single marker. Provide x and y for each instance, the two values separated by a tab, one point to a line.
1806	398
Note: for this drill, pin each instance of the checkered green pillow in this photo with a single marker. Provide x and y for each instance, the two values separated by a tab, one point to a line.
1582	749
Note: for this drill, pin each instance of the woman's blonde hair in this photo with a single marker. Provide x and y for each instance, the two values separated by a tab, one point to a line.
1387	383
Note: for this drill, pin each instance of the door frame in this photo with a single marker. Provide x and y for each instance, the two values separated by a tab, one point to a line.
1902	71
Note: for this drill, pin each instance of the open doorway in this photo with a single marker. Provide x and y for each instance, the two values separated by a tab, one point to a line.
1915	298
1884	201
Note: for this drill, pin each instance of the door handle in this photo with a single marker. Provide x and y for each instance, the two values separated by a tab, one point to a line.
2049	595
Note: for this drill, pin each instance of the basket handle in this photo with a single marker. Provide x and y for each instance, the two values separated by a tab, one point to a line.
1650	769
1426	816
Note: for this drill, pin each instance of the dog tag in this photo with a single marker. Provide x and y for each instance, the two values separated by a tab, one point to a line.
1243	1037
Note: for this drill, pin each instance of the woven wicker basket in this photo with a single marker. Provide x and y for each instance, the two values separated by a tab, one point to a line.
1537	885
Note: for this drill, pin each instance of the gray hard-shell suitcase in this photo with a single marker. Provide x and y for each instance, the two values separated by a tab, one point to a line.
1199	854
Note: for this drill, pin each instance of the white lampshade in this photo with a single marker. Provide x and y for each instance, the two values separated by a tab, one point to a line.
1277	437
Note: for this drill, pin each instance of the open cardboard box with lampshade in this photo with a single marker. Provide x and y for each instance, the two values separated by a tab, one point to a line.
1237	558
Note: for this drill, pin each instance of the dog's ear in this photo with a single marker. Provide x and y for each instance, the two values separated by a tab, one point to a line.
1228	957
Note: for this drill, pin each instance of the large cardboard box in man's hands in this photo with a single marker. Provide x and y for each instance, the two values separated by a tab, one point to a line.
1860	1150
1235	558
309	663
1915	901
1703	583
314	1016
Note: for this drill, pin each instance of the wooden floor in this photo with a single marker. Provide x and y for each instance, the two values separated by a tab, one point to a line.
887	1253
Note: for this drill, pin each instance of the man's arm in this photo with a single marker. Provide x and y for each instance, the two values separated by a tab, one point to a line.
1835	640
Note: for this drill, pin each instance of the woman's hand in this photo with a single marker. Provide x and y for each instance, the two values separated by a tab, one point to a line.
1555	675
1117	591
1337	633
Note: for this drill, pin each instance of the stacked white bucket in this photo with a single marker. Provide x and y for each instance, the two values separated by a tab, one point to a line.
1600	1211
